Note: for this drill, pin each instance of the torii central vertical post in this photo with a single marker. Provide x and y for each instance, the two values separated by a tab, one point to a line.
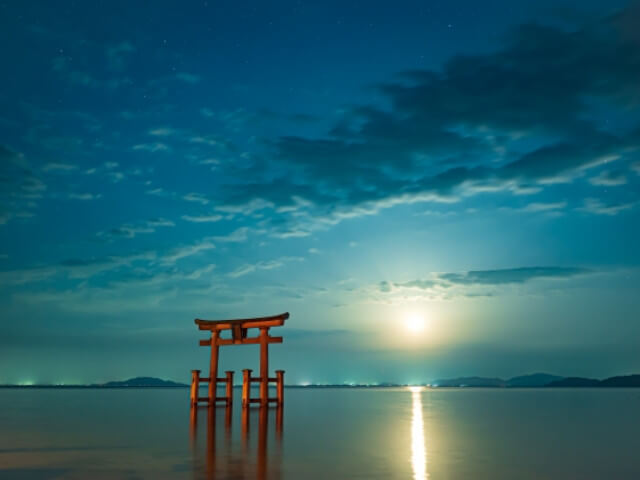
264	366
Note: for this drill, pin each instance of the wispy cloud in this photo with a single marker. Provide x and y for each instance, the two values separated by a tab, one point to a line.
26	276
544	207
239	235
59	167
609	179
132	230
474	283
188	77
510	275
202	218
196	197
248	268
187	251
597	207
84	196
118	55
162	131
151	147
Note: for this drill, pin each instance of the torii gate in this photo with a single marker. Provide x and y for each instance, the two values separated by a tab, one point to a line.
239	336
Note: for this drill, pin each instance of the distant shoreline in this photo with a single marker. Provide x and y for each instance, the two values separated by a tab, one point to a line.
536	380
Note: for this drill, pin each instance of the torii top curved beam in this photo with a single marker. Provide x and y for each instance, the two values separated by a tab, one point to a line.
257	322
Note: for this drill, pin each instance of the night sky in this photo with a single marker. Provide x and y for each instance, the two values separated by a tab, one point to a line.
355	163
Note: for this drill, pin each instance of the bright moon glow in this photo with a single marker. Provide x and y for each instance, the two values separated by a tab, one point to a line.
415	322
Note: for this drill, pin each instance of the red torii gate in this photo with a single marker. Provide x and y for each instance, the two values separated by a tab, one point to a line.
239	329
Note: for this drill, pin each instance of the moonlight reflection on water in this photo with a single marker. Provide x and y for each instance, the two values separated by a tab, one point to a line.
418	449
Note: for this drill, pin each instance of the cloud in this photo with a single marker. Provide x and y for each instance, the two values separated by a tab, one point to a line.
510	275
187	251
196	197
609	179
470	284
87	268
518	120
202	218
160	222
544	207
248	268
15	174
165	277
59	167
132	230
20	186
162	132
72	268
419	284
188	77
117	55
239	235
70	71
151	147
26	276
84	196
156	191
597	207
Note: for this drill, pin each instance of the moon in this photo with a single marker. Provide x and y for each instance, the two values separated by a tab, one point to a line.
415	322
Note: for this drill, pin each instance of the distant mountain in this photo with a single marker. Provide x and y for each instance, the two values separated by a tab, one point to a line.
533	380
575	382
537	380
469	382
622	381
143	382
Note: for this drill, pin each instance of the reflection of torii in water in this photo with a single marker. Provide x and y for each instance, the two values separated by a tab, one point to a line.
261	453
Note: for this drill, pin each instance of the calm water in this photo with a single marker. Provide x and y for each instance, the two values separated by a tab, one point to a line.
333	433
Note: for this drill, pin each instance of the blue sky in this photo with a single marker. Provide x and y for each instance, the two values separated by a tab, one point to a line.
475	165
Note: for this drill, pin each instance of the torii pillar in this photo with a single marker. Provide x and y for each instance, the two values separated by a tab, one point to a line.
239	329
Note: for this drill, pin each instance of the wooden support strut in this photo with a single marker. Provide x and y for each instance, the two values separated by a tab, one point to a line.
246	386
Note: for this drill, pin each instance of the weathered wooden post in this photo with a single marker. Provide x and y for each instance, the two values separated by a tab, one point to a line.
229	389
213	368
195	384
246	386
264	367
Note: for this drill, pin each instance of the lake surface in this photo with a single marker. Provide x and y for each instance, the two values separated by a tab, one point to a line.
323	433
